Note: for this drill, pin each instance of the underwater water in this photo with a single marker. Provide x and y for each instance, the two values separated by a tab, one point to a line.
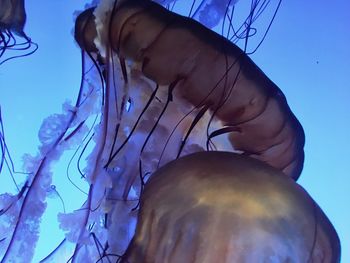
305	54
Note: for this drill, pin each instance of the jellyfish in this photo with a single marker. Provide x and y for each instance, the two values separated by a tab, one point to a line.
221	206
175	118
12	22
147	98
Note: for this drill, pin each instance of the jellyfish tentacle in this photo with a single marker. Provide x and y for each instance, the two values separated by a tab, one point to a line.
199	115
134	127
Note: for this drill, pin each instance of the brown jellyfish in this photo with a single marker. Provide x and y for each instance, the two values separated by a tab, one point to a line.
176	52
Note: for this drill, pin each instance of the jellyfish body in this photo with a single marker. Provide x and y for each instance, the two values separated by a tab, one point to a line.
223	207
12	22
13	16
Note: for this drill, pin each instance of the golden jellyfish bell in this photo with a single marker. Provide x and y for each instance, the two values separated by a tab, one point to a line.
223	207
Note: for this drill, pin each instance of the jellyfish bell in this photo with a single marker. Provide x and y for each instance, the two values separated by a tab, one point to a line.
250	111
223	207
238	92
13	16
12	22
